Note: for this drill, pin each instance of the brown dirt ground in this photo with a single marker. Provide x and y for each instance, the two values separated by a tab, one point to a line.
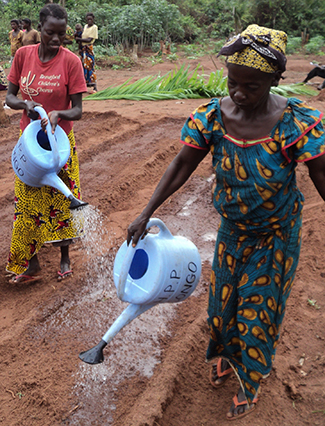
124	147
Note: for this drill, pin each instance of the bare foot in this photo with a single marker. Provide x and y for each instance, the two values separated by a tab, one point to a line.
33	266
65	269
31	272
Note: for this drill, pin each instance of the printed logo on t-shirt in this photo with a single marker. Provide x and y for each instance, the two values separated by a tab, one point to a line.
45	84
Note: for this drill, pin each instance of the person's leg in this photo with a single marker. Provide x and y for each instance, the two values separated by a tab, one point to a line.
33	266
30	272
310	75
65	260
321	86
316	72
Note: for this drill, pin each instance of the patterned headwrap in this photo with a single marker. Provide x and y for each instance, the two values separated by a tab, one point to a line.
257	47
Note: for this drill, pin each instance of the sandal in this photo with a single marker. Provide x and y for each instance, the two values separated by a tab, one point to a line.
62	276
22	278
216	373
237	404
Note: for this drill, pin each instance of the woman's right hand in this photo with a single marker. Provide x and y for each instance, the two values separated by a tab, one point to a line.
137	229
30	111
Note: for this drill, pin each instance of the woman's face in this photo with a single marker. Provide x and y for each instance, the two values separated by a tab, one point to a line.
53	33
90	20
249	88
14	26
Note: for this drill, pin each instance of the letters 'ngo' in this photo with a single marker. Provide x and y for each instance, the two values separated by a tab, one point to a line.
186	286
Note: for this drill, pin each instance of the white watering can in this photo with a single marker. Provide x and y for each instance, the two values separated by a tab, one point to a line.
160	269
38	157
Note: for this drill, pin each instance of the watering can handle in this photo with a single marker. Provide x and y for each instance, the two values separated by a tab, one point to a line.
130	252
50	136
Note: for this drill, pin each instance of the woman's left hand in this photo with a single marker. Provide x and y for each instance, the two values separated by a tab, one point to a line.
54	118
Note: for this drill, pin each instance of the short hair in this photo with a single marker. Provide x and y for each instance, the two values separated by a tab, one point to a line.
90	14
52	9
15	21
27	20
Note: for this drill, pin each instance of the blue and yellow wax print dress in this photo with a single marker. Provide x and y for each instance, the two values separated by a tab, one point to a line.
258	242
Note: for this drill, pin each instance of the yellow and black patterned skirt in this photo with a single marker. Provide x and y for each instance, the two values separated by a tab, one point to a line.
42	215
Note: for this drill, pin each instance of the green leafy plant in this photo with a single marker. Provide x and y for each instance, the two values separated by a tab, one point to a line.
315	45
287	90
156	60
172	57
177	84
181	84
313	303
293	45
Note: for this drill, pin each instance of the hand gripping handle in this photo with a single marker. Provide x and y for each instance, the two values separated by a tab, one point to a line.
51	137
164	232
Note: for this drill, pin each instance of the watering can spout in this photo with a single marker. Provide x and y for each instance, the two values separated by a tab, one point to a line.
75	203
160	269
95	354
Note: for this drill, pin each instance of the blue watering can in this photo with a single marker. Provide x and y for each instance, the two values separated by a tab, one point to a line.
38	157
160	269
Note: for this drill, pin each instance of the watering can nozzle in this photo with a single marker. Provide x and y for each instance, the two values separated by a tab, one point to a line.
94	355
75	203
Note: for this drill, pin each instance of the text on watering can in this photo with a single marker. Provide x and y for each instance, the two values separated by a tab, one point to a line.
15	161
174	279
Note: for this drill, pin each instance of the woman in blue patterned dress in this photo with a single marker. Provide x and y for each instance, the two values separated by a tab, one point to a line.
256	140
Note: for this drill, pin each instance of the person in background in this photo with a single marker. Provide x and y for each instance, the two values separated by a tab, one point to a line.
318	71
15	37
3	79
46	74
78	34
69	36
89	35
256	140
30	36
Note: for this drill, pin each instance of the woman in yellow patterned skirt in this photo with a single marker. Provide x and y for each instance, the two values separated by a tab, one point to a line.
89	35
49	75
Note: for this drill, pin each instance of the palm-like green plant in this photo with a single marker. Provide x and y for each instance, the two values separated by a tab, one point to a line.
176	84
183	84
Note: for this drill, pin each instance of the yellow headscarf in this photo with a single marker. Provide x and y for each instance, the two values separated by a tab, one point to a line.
257	47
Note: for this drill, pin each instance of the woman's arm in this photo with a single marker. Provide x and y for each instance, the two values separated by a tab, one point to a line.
72	114
85	40
177	173
317	174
